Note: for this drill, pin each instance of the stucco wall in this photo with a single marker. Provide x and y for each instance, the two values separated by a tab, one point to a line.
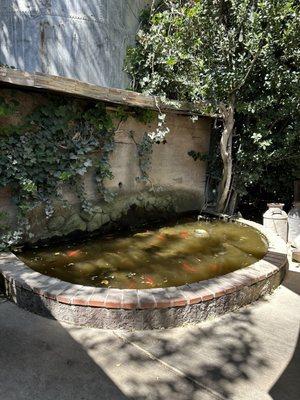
176	182
79	39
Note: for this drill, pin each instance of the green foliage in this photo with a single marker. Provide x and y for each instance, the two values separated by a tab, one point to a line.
239	53
145	150
53	146
144	115
7	108
196	155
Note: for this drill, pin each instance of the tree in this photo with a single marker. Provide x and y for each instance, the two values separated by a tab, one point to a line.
239	57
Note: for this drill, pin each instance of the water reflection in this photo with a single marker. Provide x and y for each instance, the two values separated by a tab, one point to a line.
169	256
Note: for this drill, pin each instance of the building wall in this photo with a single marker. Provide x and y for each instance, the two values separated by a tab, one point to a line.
79	39
176	182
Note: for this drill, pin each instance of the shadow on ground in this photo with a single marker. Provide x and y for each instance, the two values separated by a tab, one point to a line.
40	360
218	358
288	385
228	358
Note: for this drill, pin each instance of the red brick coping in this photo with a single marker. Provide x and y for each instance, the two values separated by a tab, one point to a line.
17	275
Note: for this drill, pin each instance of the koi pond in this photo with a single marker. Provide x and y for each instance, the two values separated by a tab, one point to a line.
183	252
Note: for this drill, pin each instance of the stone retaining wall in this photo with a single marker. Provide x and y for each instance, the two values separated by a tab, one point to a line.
176	182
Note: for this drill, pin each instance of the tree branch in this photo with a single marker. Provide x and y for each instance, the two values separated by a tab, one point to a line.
248	71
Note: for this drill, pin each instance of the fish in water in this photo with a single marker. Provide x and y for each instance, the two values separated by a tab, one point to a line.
184	234
73	253
132	284
214	267
149	280
188	268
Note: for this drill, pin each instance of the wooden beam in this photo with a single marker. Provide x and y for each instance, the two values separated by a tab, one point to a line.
75	87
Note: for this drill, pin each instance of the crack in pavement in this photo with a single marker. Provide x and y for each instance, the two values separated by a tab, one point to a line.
175	370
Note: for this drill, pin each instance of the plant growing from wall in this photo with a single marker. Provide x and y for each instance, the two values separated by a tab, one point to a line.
145	146
239	56
55	145
144	150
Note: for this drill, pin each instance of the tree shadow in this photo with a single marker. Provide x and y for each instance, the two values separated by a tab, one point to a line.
39	359
287	386
229	346
84	40
199	362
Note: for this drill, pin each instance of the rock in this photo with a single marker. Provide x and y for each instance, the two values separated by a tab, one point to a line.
201	233
116	215
105	219
86	216
94	223
73	224
97	221
56	223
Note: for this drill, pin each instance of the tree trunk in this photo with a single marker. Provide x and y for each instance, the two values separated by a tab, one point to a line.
226	153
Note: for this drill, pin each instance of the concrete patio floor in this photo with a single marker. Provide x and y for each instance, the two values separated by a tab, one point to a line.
250	354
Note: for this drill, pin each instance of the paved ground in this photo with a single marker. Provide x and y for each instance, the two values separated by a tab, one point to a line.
250	354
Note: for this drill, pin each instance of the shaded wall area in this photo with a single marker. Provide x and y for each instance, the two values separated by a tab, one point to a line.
85	40
175	183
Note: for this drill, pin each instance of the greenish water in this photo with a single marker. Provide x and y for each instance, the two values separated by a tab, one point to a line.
169	256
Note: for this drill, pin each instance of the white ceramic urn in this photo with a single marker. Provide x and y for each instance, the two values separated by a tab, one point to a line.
294	225
276	218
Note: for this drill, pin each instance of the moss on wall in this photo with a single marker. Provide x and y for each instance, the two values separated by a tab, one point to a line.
74	165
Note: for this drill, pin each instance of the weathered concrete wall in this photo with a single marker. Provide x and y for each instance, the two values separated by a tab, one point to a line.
176	181
80	39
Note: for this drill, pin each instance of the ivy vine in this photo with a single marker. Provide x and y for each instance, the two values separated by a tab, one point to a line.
54	146
144	150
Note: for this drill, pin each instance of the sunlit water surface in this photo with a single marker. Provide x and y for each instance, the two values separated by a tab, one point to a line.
169	256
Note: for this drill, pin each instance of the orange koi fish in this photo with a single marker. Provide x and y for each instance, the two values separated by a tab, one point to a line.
149	280
214	267
184	234
188	268
132	284
73	253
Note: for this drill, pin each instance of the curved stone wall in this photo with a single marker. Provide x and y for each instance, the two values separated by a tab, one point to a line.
147	308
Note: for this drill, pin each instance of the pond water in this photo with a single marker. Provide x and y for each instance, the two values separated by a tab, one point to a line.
181	253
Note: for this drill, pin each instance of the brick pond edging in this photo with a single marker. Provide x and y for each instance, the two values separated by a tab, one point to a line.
148	308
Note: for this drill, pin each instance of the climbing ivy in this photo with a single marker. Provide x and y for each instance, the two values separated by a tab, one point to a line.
54	146
144	115
144	150
196	155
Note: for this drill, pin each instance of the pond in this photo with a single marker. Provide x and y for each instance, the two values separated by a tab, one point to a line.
186	251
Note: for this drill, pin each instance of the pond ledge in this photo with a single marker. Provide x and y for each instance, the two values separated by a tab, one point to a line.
60	84
147	308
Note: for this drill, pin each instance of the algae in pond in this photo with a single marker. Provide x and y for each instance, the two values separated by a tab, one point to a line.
169	256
